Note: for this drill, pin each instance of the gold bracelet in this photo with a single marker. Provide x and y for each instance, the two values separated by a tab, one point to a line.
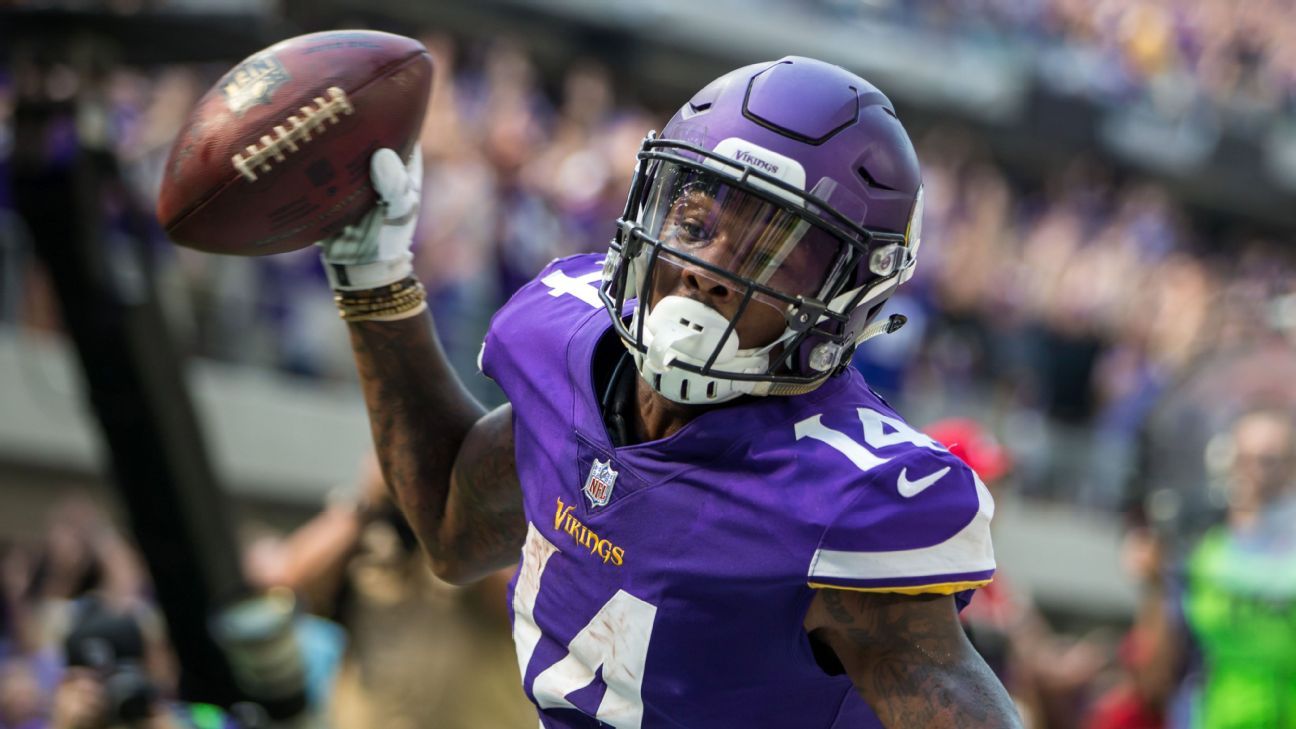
356	312
393	315
378	303
399	300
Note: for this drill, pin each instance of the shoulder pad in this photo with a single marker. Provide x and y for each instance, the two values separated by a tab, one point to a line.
537	321
907	516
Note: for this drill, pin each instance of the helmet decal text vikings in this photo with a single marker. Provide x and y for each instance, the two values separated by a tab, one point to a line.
766	160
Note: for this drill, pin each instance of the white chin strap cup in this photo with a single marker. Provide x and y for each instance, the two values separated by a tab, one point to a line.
683	330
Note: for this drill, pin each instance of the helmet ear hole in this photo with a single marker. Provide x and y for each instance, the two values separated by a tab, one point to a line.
871	180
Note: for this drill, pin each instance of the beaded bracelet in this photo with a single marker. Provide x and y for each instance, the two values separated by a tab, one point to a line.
399	300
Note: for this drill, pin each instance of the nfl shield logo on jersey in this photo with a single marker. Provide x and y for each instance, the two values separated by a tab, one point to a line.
598	487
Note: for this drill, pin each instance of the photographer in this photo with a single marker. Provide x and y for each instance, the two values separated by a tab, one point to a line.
357	563
117	674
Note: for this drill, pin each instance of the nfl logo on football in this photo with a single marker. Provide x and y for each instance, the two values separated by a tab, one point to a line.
253	81
598	487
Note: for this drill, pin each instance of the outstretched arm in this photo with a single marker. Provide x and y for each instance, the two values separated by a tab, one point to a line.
910	660
449	465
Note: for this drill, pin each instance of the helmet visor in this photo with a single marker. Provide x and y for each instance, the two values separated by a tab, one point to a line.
707	218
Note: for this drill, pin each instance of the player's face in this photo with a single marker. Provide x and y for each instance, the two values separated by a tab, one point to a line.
746	235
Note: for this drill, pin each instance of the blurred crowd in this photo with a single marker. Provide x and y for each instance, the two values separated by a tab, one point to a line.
1183	55
82	645
1075	302
382	641
74	619
1212	644
1057	307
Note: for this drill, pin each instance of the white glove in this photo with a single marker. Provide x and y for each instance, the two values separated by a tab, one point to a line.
376	251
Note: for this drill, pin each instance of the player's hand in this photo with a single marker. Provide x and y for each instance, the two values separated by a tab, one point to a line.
376	251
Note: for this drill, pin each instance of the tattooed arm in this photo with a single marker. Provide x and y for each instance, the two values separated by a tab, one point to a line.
909	658
449	464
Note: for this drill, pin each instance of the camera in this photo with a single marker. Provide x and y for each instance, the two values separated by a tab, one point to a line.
111	643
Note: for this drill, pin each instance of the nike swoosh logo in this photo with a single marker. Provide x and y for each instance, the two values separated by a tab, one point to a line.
910	489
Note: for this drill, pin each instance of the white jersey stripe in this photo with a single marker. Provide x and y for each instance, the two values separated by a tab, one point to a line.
967	551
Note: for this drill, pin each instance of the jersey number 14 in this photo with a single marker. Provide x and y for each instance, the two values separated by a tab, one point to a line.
616	639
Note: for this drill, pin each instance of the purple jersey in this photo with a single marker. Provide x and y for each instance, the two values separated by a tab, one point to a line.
664	584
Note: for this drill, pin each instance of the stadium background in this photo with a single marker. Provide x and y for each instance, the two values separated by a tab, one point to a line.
1106	272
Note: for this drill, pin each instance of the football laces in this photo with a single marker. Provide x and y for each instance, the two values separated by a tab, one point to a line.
285	138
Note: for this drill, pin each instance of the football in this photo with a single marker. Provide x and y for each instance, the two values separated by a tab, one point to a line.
276	155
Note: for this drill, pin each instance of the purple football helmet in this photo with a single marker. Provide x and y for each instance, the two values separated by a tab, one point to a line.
806	174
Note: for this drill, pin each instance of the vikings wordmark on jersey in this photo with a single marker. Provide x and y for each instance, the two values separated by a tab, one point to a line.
665	584
565	521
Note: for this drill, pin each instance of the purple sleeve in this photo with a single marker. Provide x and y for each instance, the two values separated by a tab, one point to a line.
920	523
537	318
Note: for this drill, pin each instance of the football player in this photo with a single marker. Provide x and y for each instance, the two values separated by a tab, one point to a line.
719	523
